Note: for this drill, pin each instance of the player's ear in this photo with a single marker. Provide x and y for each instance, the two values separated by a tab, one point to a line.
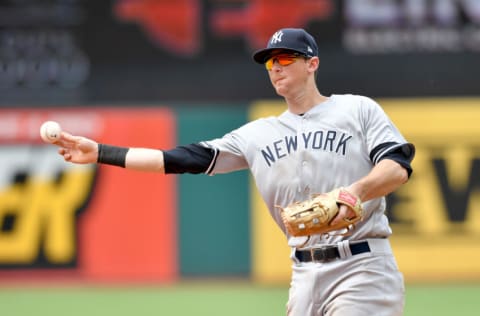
313	63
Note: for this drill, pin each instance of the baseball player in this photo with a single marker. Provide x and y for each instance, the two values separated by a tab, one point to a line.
320	143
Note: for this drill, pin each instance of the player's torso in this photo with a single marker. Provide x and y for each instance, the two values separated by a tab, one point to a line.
294	156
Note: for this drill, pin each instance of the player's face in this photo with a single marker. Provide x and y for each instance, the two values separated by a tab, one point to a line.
288	72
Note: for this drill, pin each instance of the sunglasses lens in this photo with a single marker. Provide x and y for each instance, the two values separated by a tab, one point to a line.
286	60
283	60
269	64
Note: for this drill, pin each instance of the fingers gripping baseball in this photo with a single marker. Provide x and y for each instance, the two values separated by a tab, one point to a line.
77	149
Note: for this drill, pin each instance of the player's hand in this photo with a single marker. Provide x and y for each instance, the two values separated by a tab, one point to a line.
344	212
77	149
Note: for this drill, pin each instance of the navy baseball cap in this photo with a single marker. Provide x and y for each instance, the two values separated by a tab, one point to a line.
292	39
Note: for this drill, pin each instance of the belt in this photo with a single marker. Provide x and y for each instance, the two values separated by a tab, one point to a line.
328	253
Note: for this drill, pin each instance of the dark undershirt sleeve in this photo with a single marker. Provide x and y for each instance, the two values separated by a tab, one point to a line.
401	153
192	158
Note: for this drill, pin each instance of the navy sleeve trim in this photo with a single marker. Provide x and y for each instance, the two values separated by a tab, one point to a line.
193	158
214	160
401	153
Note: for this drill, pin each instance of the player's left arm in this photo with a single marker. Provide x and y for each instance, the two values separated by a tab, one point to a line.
384	178
392	169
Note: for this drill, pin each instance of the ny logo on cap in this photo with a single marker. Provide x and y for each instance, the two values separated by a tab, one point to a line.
277	37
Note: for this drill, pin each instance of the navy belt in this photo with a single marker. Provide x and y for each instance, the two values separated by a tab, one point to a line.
328	253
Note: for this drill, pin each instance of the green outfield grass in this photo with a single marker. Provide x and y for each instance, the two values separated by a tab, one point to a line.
223	298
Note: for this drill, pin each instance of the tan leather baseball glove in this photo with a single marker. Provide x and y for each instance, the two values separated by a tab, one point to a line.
313	216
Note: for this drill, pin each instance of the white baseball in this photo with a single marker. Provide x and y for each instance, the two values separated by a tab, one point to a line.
50	131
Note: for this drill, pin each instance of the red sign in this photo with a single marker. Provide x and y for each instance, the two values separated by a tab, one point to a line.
261	18
174	24
85	222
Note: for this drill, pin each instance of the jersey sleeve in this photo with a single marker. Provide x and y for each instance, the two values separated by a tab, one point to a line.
381	132
230	157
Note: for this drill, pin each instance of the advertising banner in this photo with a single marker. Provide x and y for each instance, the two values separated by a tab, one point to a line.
435	217
85	222
56	51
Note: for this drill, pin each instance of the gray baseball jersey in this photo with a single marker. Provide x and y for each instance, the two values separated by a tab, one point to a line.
293	156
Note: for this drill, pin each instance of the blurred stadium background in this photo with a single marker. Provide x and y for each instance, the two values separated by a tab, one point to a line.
102	240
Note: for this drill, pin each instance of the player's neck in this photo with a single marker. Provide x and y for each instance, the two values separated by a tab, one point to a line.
303	103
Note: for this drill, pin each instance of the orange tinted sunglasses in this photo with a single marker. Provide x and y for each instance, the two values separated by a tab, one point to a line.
282	59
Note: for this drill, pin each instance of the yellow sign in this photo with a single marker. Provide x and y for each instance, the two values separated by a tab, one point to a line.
435	217
39	209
